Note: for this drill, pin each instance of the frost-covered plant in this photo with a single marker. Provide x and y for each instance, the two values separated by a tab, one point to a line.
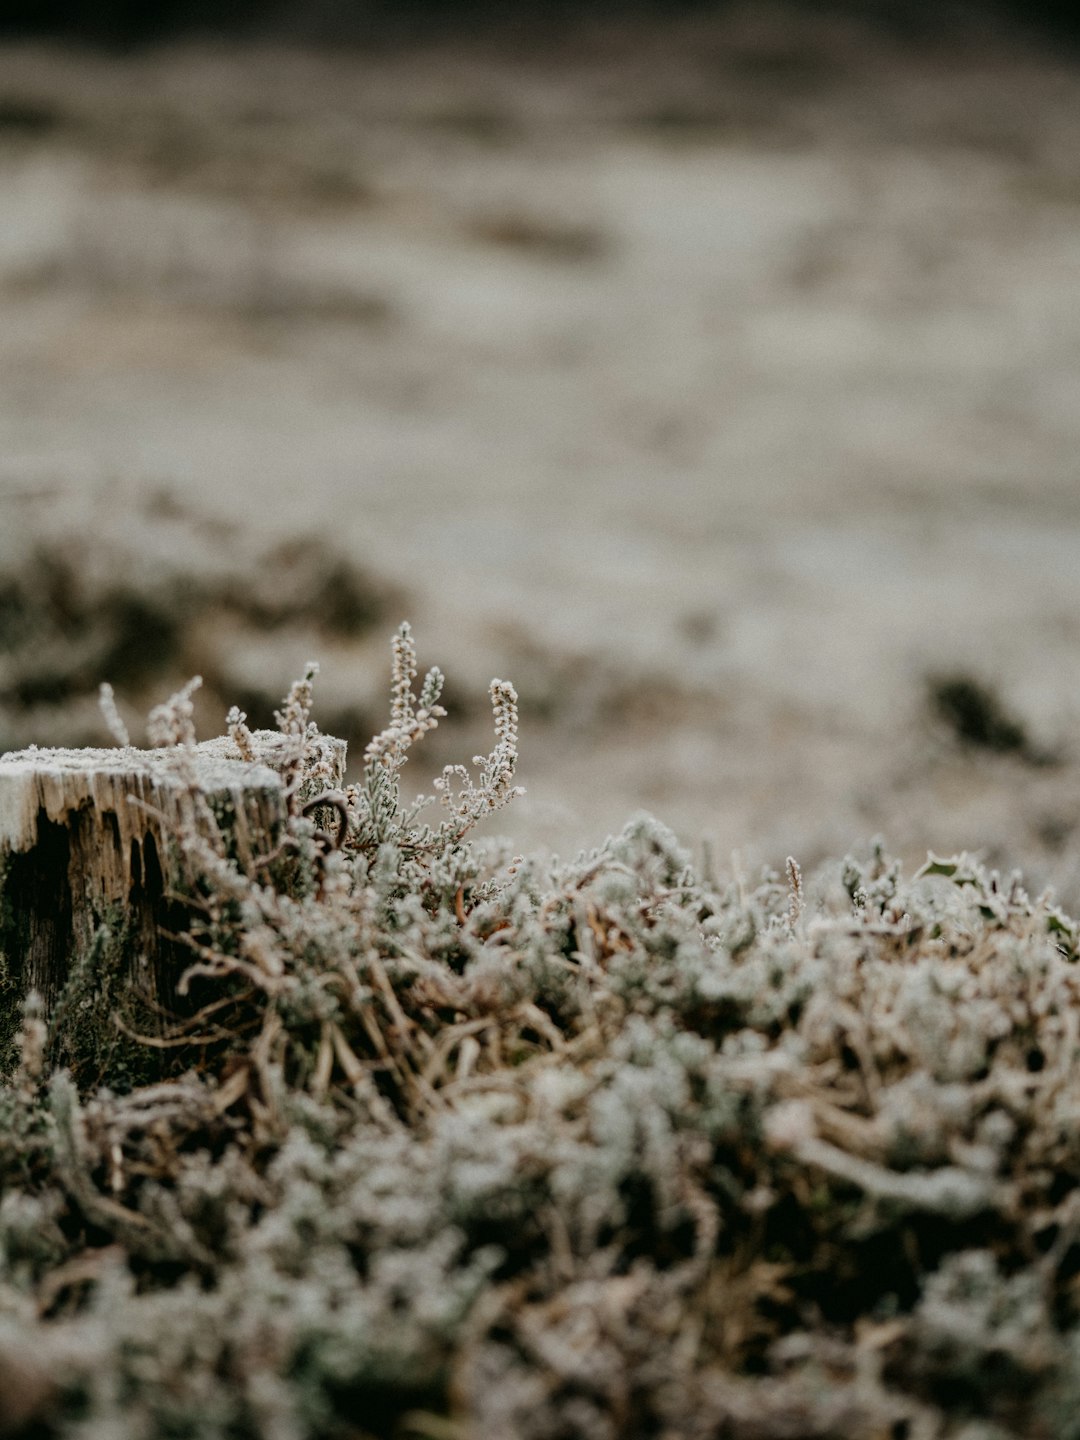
172	723
376	815
296	940
596	1149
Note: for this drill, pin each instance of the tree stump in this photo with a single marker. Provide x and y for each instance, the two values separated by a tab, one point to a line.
91	876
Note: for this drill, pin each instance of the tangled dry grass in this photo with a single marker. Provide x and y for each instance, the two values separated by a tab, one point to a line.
470	1147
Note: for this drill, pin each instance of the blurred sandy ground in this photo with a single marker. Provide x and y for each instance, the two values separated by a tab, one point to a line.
718	382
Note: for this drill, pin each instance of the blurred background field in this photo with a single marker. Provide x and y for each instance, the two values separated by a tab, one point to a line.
713	372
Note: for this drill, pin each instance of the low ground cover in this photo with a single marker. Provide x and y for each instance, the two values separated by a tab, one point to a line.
456	1143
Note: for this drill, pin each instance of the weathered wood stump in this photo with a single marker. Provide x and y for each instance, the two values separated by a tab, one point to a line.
91	876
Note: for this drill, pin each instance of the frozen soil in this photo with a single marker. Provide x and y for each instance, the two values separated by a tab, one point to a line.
721	386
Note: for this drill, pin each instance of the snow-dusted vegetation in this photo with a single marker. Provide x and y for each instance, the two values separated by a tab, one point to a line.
443	1143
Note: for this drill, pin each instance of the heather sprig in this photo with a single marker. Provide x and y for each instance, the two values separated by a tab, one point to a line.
410	717
377	816
173	722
